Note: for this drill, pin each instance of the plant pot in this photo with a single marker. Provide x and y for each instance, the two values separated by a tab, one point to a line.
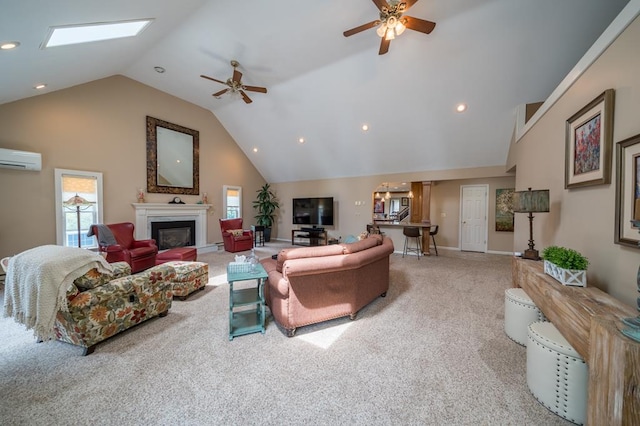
267	234
572	277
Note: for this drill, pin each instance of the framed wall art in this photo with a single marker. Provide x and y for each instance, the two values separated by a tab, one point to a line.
589	139
504	210
628	191
405	201
378	205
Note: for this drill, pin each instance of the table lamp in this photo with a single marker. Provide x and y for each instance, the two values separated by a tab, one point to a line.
531	202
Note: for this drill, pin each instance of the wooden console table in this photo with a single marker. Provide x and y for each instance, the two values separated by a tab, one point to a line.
590	319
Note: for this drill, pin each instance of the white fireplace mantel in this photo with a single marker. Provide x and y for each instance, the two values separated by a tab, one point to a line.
158	212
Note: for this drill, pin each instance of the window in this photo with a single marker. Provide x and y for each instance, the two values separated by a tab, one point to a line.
78	205
232	201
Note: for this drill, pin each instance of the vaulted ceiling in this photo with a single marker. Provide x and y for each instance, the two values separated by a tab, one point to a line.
492	55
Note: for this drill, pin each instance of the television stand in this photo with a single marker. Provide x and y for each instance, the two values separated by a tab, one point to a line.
306	237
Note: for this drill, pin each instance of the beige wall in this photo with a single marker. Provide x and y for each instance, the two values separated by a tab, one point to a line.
583	218
351	219
445	199
100	126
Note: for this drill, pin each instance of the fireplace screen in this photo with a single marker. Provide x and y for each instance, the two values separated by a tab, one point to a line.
174	234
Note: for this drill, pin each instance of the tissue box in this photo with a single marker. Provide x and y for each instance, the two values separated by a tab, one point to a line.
238	267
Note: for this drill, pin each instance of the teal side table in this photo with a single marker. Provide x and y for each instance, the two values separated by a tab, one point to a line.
251	319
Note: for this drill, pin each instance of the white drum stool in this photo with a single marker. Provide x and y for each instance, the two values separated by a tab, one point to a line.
519	312
557	375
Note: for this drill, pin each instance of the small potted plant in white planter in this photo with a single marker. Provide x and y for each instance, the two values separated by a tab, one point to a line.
565	265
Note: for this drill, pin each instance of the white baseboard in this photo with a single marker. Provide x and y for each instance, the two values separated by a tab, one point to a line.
208	248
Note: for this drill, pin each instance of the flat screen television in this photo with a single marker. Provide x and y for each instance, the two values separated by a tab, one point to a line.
313	211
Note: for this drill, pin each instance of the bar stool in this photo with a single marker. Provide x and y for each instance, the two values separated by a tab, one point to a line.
433	231
412	232
258	235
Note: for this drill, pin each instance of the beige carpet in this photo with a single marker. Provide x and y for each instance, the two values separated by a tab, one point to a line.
432	352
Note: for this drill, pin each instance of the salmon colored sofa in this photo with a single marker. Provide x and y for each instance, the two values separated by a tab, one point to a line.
308	285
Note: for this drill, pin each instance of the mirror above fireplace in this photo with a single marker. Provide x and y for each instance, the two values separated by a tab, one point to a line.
172	158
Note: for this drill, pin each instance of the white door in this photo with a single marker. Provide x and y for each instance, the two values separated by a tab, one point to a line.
473	214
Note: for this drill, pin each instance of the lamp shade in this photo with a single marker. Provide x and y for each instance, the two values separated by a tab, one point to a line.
531	201
77	200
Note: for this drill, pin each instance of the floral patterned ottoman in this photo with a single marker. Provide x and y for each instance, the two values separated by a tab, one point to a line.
190	276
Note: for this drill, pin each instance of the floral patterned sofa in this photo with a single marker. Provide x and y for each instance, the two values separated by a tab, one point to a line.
102	305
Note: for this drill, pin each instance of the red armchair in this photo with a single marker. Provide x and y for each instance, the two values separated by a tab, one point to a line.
139	254
238	240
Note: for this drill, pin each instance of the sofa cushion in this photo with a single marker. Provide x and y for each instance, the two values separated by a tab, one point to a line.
93	278
303	252
360	245
235	232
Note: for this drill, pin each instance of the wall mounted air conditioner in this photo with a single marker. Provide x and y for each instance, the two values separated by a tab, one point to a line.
20	160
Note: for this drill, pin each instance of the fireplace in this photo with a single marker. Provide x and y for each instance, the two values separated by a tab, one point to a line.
147	213
179	233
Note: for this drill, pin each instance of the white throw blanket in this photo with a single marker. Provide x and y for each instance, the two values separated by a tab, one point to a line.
37	282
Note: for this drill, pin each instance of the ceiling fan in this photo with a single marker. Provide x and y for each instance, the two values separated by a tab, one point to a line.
235	84
392	22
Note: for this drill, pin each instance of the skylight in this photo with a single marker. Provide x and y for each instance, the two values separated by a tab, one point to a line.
75	34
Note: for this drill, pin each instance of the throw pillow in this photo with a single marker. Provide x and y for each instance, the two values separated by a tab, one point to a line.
93	278
350	239
235	232
357	246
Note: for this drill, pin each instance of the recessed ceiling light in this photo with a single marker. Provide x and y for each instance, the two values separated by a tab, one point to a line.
365	127
300	140
40	86
8	45
159	70
255	149
75	34
461	107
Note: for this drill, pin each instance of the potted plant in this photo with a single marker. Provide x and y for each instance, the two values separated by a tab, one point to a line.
266	205
565	265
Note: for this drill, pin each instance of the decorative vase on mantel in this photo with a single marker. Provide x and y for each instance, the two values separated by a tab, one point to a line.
632	330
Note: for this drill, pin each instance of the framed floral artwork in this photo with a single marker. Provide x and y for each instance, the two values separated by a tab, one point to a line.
378	205
589	139
628	192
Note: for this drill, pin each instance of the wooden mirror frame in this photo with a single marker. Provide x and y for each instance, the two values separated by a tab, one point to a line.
152	158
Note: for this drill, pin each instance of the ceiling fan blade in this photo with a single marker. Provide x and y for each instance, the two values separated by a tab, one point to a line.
409	3
237	75
220	93
245	97
356	30
214	79
380	4
418	24
255	89
384	46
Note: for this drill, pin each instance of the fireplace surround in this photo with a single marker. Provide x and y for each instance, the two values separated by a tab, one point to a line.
148	213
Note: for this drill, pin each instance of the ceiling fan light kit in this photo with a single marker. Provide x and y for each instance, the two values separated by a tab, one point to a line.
235	86
392	23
